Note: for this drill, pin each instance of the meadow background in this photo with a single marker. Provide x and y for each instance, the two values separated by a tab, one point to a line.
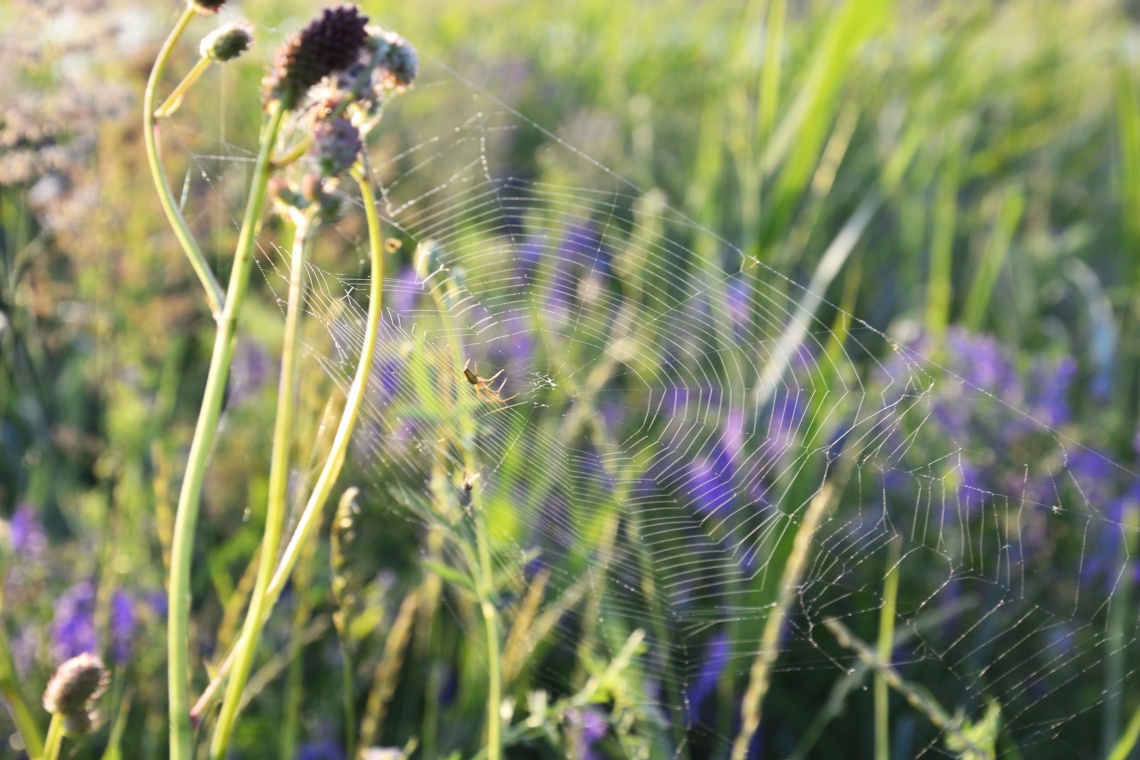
999	142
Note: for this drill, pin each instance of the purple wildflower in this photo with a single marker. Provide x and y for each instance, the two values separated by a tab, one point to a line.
249	372
29	540
320	749
716	658
583	247
709	482
980	361
122	626
1049	385
74	621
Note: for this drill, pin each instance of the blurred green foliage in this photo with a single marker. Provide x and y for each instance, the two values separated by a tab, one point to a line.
998	142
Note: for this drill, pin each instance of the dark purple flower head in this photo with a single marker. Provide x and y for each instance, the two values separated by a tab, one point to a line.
328	44
207	7
74	621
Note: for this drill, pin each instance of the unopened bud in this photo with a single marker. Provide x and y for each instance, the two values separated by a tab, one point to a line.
227	42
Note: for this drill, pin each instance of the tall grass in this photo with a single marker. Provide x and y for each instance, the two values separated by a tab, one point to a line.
963	163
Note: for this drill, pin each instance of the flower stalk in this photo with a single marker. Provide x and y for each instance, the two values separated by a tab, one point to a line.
310	517
215	297
278	487
178	634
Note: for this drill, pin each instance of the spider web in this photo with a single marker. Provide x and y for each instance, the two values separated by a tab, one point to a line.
669	409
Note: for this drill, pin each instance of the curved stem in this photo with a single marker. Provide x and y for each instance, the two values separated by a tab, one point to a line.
353	400
174	100
178	632
214	295
339	449
278	492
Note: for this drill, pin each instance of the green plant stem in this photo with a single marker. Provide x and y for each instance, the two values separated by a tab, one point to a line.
915	696
339	449
214	296
1124	745
278	490
752	703
178	632
23	720
348	698
885	645
494	669
54	741
353	401
1121	610
22	717
174	100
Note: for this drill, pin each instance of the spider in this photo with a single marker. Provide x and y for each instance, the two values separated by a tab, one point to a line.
482	385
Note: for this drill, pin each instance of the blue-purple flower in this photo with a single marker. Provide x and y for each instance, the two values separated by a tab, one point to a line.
74	622
26	531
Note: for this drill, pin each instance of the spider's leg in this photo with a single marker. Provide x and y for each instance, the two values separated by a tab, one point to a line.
501	384
505	400
488	380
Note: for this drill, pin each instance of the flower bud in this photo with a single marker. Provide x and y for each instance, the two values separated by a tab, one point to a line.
76	684
227	42
336	145
401	64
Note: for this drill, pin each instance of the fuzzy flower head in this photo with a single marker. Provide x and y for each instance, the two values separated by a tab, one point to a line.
400	63
387	64
327	45
76	685
227	42
336	145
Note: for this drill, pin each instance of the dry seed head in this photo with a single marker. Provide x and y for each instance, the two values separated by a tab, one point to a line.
227	42
76	684
328	44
